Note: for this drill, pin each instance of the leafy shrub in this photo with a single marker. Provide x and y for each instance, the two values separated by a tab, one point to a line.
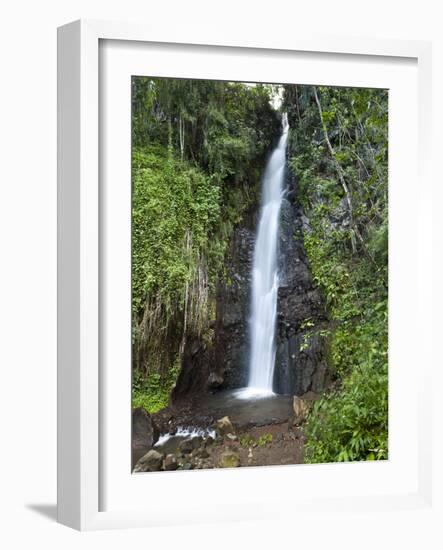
152	392
351	424
175	209
250	441
264	440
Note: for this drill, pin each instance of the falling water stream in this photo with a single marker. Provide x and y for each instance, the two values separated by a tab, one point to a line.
265	273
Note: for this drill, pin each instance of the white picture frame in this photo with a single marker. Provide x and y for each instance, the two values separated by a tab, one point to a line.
82	399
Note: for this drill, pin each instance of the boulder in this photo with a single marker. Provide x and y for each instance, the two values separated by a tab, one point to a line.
188	445
203	464
215	380
144	431
224	426
152	461
301	409
229	459
200	453
170	462
197	441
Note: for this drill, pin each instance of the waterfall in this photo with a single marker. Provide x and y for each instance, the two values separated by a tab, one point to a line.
265	272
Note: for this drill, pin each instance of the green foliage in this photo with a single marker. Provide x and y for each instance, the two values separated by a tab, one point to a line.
199	150
264	440
356	121
356	297
175	210
251	441
221	126
378	243
351	422
247	440
152	392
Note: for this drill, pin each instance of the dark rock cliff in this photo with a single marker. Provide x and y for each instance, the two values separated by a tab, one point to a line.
223	364
301	356
233	303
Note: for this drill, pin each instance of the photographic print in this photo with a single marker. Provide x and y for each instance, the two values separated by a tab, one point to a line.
259	274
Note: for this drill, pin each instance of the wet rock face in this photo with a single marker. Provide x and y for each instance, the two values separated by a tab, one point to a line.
302	364
195	376
233	310
301	349
223	364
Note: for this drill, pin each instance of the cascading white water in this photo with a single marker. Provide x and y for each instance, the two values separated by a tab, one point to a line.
265	273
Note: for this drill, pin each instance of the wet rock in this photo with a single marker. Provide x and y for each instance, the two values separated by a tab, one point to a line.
208	441
215	380
144	431
301	344
186	466
152	461
296	434
301	409
223	362
311	396
203	464
170	462
229	459
188	445
194	371
200	453
231	339
224	426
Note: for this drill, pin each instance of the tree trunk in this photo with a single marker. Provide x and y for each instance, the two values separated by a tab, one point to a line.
181	129
340	174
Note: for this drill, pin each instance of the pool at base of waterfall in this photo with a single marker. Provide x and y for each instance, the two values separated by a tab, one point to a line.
263	432
241	405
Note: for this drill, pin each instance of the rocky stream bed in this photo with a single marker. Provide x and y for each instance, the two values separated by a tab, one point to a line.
224	430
